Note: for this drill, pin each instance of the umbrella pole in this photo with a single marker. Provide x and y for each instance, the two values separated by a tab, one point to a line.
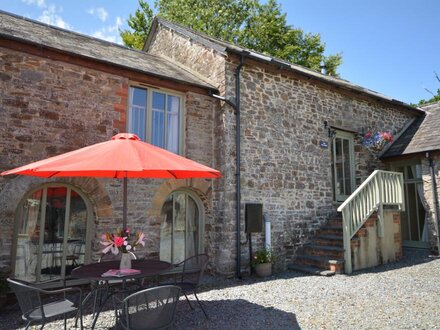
124	207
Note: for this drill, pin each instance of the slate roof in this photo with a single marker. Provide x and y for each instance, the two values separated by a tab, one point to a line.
42	35
421	136
223	47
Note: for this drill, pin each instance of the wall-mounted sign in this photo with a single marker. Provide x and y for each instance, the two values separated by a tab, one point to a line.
323	144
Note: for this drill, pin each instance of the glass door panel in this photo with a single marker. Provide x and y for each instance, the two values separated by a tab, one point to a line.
28	237
166	230
76	233
52	228
179	228
413	218
343	165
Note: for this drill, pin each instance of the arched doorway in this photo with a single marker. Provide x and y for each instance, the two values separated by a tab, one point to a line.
181	229
51	234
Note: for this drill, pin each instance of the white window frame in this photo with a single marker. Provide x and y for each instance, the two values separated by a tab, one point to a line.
149	110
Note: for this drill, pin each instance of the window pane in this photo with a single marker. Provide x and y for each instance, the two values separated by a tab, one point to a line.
339	167
137	112
158	120
347	177
173	131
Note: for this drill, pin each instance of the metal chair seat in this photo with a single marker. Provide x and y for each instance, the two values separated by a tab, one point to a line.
30	298
52	309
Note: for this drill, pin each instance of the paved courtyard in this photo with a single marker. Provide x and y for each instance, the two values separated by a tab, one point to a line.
403	295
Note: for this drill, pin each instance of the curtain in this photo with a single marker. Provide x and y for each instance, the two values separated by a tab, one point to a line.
419	186
173	124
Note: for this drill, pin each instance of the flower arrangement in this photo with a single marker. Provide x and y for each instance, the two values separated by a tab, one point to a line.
263	256
121	241
376	140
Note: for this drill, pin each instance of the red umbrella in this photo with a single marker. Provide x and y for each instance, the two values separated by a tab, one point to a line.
124	156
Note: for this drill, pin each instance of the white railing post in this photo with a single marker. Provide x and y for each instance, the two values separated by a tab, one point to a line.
382	182
347	240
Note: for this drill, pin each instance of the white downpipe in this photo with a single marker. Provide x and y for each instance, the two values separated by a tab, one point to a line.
266	232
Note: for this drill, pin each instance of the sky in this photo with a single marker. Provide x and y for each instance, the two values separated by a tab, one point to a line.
389	46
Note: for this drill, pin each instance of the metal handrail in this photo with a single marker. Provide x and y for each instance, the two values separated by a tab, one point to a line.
379	189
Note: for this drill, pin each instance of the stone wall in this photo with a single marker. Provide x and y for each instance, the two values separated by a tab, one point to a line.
283	165
49	107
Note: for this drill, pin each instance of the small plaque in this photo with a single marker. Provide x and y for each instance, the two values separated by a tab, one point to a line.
323	144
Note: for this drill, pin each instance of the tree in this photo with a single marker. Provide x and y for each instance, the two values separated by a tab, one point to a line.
260	27
435	97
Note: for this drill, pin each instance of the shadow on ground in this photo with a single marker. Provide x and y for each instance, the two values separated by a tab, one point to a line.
233	314
223	314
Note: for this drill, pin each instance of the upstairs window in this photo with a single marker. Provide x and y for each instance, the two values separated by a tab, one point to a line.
156	117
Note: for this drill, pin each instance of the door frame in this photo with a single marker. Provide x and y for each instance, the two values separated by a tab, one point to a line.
405	164
350	137
19	214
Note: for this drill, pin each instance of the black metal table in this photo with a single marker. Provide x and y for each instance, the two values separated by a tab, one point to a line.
94	271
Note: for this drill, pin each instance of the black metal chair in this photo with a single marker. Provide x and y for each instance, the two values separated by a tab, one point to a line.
152	308
190	277
98	288
30	299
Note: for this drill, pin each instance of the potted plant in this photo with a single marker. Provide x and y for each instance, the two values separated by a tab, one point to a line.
262	262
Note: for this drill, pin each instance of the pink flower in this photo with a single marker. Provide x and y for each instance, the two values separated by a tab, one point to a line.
119	241
387	136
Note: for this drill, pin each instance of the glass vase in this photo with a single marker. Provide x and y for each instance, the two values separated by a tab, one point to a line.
125	261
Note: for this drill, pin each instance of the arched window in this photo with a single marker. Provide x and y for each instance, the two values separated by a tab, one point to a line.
51	235
181	229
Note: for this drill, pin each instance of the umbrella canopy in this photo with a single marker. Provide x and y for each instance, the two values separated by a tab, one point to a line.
124	156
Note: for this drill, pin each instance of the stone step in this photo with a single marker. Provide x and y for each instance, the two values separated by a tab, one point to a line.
332	240
310	270
333	252
330	230
321	262
337	222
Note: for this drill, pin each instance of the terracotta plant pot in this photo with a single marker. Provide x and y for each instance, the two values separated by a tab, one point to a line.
263	270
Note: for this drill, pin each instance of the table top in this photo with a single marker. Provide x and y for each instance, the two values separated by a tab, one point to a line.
147	267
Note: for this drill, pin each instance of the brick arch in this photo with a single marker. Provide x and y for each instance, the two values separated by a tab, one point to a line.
201	187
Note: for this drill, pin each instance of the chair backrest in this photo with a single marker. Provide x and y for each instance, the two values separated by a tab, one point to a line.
193	269
28	296
152	308
110	256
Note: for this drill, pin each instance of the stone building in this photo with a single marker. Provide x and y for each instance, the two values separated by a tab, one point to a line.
297	147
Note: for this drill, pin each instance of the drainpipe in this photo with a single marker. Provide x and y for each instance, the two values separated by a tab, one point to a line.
238	163
435	197
236	107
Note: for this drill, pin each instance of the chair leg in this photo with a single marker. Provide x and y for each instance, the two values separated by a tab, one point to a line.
201	306
28	325
187	300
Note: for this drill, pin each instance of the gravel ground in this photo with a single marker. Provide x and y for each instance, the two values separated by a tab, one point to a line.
402	295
